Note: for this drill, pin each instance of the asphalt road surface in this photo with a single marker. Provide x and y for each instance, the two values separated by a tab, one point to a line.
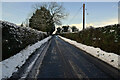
63	60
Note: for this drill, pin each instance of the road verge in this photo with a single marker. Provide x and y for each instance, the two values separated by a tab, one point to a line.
12	64
110	58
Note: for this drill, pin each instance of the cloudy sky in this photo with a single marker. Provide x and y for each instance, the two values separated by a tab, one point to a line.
97	13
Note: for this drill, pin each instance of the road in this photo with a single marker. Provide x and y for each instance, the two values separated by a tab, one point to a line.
63	60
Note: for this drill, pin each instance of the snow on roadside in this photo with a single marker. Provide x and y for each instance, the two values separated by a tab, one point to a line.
110	58
12	64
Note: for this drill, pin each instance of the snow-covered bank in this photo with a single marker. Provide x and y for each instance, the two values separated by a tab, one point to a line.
110	58
12	64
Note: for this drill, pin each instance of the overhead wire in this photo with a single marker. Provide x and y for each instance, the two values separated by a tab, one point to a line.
75	15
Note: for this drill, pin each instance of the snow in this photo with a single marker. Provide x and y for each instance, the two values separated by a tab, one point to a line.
116	41
110	58
15	28
30	66
94	38
99	38
112	31
12	64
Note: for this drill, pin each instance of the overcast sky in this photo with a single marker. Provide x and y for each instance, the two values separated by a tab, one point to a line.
97	13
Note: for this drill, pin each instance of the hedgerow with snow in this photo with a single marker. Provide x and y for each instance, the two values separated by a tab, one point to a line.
15	38
110	58
106	38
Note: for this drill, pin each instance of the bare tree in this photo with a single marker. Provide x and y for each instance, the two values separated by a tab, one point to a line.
56	10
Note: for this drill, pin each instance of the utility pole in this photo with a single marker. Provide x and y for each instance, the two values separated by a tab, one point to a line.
83	16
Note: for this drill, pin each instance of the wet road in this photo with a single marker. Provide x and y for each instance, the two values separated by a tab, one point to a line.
63	60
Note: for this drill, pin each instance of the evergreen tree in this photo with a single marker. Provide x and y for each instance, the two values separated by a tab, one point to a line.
74	29
22	25
41	20
46	16
65	28
59	30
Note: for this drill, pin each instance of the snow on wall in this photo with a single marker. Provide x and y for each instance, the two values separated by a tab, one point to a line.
110	58
11	65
